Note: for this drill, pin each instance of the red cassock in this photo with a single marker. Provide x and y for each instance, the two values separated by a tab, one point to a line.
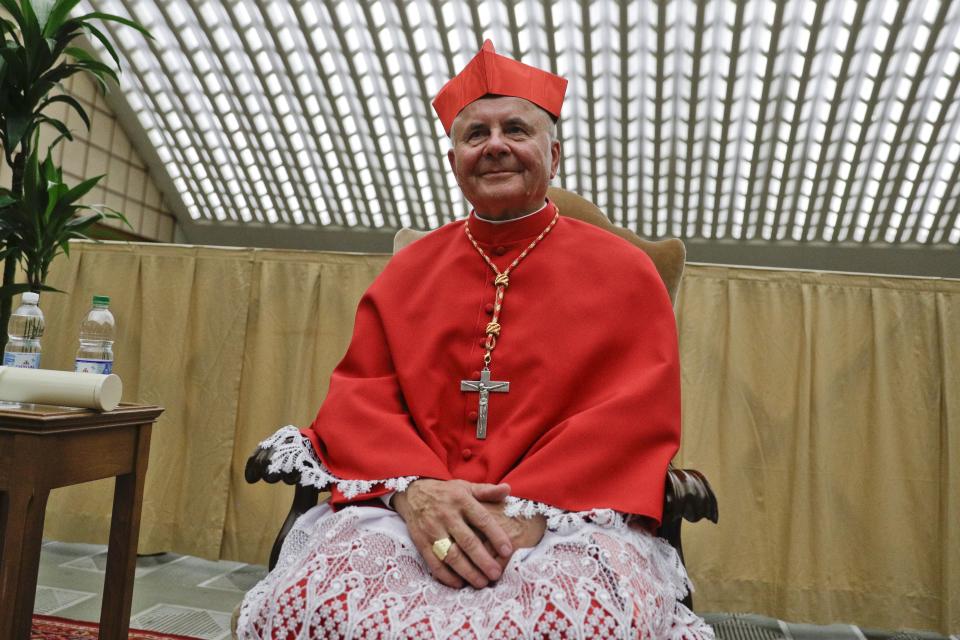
588	345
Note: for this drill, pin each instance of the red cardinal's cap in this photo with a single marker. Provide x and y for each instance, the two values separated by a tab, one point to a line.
491	73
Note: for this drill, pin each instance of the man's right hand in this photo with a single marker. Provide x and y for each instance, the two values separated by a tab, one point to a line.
435	509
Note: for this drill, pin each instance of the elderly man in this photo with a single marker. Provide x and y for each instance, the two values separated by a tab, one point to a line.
497	435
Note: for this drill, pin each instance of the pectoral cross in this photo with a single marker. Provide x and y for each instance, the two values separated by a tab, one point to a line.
484	386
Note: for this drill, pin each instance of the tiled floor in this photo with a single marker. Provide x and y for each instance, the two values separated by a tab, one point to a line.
173	594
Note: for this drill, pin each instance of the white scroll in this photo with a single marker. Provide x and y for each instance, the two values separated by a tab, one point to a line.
62	388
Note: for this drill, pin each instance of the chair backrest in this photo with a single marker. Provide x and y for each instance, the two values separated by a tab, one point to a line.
667	255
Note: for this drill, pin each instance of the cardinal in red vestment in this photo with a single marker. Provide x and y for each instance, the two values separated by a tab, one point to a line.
497	435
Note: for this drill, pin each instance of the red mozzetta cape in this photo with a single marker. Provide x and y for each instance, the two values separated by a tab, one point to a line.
588	344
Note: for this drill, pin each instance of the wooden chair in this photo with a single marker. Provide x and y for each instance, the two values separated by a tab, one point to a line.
687	496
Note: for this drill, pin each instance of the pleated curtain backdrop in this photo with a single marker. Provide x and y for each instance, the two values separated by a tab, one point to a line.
824	409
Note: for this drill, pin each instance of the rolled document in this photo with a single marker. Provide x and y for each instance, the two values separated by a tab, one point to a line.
62	388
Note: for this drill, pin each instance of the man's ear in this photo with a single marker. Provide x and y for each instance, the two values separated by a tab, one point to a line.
554	158
452	160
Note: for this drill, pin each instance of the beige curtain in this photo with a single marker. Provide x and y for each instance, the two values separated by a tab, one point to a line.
233	343
824	409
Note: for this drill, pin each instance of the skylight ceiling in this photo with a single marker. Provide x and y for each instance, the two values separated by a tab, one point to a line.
747	122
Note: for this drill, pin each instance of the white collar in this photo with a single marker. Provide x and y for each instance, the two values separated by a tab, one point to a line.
488	221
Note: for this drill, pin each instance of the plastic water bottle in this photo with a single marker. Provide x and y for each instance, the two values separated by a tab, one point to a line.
97	330
25	330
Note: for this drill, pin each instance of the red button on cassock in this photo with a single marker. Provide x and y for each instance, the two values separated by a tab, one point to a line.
467	454
489	308
475	375
500	251
472	416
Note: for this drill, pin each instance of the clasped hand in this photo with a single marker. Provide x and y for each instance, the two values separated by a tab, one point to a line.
471	515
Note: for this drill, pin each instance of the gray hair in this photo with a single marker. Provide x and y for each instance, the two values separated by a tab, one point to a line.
552	129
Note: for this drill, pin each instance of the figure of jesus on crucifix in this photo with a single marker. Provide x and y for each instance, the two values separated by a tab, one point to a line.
484	386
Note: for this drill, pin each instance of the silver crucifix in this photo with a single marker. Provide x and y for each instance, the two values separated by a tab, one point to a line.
484	386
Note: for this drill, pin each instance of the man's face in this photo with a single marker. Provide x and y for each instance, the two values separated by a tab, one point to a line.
503	156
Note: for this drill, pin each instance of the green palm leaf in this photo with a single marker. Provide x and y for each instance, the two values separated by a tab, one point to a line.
70	101
106	17
58	15
96	33
13	8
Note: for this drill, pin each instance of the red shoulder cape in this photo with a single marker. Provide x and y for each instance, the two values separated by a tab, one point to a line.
588	344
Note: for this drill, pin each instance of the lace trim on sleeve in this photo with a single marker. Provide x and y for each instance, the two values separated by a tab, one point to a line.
564	521
293	452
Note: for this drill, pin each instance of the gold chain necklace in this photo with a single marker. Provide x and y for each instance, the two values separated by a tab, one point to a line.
484	385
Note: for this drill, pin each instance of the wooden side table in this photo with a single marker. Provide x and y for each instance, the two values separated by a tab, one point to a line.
44	447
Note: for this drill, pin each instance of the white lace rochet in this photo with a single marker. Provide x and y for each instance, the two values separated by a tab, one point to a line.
356	574
294	452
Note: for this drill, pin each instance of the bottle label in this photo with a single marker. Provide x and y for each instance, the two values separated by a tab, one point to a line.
21	360
83	365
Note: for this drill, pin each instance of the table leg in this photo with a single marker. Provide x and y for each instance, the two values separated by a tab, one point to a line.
9	566
122	551
22	521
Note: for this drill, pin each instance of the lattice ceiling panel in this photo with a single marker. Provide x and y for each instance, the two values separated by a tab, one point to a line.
813	122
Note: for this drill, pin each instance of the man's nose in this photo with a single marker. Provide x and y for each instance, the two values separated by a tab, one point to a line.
496	144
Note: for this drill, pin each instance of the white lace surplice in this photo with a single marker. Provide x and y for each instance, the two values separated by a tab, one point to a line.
356	574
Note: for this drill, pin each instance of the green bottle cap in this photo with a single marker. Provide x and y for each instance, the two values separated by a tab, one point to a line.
101	300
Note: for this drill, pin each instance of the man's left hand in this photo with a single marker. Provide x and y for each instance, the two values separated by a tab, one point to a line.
523	532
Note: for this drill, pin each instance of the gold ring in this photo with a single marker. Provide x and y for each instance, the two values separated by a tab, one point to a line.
441	548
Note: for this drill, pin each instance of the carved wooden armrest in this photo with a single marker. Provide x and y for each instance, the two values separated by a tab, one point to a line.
258	465
304	498
687	494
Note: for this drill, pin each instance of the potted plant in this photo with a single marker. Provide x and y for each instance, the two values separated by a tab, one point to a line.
37	211
40	224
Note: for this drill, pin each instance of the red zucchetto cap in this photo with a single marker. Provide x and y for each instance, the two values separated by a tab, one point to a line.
491	73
